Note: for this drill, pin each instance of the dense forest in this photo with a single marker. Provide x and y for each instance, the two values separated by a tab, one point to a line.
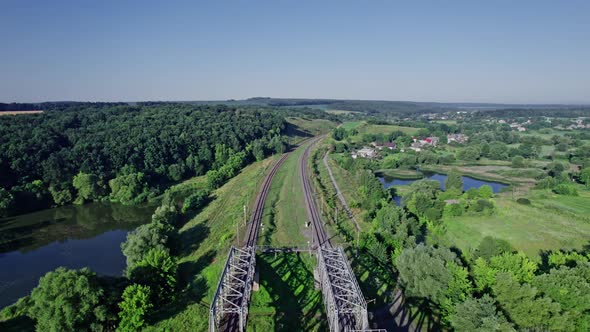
84	152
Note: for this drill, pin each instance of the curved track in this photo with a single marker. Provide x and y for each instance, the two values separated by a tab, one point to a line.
319	233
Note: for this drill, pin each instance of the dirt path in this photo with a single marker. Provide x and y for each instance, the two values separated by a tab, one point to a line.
340	195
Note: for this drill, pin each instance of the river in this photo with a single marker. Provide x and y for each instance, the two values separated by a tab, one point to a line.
72	236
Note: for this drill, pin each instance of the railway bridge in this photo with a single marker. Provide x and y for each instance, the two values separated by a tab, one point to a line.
345	305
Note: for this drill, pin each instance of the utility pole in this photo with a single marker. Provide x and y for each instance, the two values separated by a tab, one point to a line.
238	232
357	241
245	222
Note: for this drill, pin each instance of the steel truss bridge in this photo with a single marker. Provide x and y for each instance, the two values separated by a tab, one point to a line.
345	305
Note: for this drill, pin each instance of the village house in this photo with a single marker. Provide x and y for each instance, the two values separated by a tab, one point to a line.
365	152
459	138
418	145
386	145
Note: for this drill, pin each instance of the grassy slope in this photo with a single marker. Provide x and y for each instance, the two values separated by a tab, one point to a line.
551	222
351	124
348	186
300	128
206	239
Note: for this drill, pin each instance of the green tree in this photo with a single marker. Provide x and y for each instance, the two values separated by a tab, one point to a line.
491	246
157	270
565	189
6	201
87	187
68	300
585	176
433	274
527	308
258	150
470	153
486	192
145	237
516	264
498	151
339	133
214	179
129	187
518	162
135	305
454	181
571	289
195	201
479	315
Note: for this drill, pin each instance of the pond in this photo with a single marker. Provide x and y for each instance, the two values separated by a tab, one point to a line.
71	236
468	183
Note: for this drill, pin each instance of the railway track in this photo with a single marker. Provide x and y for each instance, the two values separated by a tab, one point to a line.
346	307
256	216
319	233
229	308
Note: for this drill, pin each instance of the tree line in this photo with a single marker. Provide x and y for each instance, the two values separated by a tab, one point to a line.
125	153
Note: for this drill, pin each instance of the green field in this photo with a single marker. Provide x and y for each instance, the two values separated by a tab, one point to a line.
284	215
366	128
342	112
351	124
205	242
300	128
287	299
552	222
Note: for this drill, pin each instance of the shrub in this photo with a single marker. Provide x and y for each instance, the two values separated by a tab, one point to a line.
143	238
523	201
491	246
518	162
486	191
195	201
68	300
134	308
158	271
565	189
546	183
453	210
482	205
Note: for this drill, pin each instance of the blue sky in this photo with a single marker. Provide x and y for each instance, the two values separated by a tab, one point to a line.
448	51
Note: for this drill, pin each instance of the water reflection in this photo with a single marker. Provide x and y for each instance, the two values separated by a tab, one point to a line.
72	236
468	183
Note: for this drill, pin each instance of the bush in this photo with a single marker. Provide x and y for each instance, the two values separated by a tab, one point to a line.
134	308
518	162
546	183
68	300
486	191
129	188
565	189
481	205
491	246
453	210
158	271
195	201
433	214
523	201
145	237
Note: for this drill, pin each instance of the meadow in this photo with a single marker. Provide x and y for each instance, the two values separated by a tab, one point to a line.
551	222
